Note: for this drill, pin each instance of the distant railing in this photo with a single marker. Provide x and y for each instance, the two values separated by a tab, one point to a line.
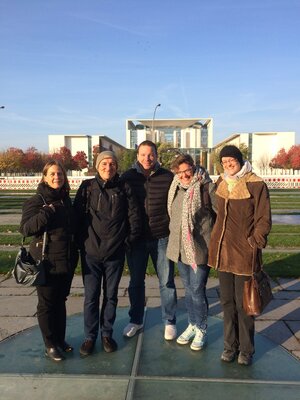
28	182
283	182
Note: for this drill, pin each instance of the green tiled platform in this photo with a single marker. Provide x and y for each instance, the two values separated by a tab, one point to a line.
145	367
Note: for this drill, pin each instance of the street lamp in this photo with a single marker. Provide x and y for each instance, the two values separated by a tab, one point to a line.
158	105
2	107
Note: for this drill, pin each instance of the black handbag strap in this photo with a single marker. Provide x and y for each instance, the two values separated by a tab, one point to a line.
257	264
44	235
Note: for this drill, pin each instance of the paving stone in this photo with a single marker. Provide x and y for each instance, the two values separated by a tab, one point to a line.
212	292
289	283
11	325
20	291
295	328
296	353
74	305
287	295
18	306
282	310
278	332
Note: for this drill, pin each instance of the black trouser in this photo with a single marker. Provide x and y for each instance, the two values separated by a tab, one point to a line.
51	309
238	326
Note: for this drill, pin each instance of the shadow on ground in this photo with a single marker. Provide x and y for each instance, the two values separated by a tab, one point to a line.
145	367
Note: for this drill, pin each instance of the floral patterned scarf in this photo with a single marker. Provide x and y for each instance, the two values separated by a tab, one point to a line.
191	203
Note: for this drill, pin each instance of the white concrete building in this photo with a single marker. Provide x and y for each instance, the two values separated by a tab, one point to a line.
191	135
84	143
262	147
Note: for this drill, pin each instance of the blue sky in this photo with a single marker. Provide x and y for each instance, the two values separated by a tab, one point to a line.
84	66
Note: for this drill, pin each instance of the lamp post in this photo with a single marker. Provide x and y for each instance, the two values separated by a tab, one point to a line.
158	105
2	106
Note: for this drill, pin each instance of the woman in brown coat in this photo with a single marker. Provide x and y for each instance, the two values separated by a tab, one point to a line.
240	232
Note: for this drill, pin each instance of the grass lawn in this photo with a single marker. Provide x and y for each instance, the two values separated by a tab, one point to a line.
284	265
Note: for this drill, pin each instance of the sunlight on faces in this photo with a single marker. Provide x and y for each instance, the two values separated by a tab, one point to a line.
185	173
54	177
147	157
231	165
107	169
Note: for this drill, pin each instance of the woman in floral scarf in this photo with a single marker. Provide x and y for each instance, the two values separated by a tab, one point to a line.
190	200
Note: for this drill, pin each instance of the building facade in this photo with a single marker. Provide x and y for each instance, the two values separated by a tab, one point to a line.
84	143
262	147
190	135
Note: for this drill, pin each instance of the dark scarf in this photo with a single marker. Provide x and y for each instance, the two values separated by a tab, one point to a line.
51	195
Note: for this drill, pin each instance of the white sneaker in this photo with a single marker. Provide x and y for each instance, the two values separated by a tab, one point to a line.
187	335
170	332
131	329
199	340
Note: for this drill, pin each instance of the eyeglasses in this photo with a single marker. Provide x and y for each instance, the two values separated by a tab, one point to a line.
186	171
232	161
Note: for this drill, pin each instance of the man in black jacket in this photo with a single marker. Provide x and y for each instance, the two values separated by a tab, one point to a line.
107	216
150	183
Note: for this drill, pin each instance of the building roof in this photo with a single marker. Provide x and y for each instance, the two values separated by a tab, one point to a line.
171	123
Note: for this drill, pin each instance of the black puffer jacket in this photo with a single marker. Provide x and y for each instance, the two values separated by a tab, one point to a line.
58	221
107	215
152	194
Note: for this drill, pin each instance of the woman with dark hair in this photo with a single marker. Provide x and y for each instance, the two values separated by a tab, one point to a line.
190	200
50	210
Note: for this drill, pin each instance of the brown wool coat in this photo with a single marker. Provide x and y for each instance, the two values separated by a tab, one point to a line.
243	216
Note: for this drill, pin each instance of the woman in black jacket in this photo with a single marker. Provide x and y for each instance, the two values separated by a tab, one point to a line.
50	209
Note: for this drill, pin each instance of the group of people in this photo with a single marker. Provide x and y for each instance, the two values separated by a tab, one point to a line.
178	216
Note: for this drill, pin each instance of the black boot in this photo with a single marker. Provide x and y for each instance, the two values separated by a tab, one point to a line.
66	347
109	344
54	354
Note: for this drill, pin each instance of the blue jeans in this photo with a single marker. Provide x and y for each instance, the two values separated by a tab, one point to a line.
195	293
137	262
95	274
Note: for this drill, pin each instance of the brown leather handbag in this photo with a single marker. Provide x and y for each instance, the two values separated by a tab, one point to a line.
257	290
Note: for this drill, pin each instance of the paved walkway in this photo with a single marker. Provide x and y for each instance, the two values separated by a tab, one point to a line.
147	366
280	322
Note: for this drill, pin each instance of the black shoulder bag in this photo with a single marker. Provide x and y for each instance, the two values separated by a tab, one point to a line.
27	271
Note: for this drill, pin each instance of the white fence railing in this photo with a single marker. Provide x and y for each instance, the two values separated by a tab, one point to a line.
29	182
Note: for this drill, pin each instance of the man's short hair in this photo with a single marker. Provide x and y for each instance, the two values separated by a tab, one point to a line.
147	143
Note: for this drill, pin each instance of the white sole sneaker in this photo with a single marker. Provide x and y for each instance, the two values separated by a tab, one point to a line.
170	332
132	329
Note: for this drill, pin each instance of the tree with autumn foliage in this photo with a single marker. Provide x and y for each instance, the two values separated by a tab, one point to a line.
80	160
281	160
14	161
11	161
63	154
294	156
33	161
287	160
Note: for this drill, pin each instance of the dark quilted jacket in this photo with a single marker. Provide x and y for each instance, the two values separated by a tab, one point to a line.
152	194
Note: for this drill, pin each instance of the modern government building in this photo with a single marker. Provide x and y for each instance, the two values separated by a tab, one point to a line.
189	135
